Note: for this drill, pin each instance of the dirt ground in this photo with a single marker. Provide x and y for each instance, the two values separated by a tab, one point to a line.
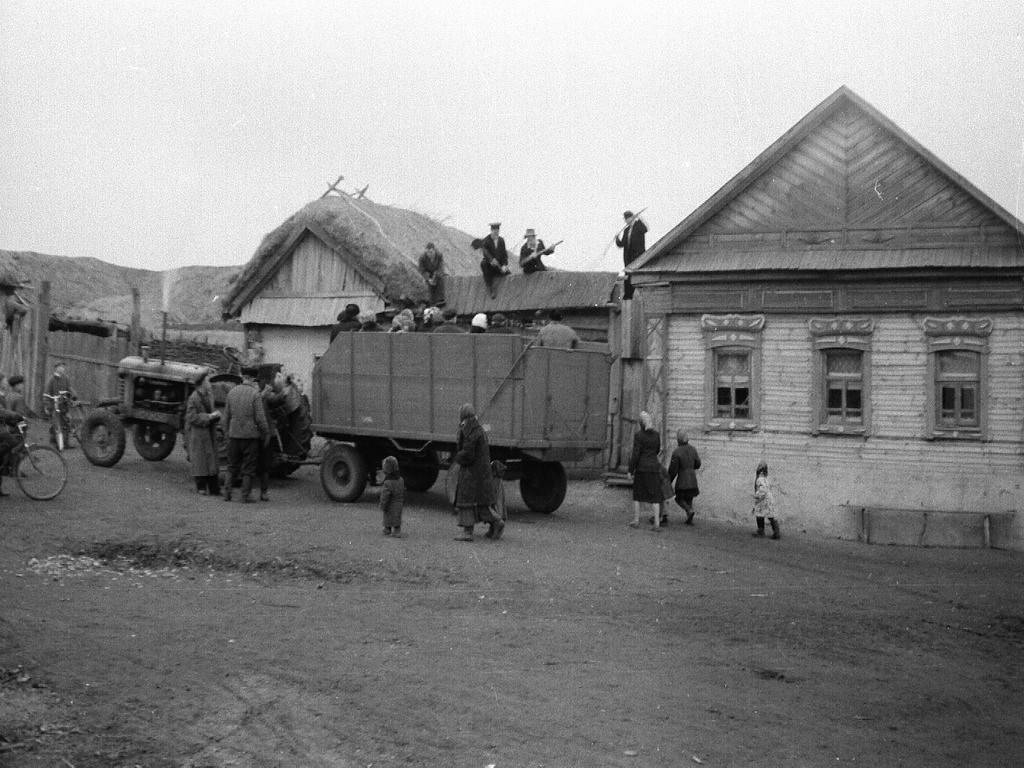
144	625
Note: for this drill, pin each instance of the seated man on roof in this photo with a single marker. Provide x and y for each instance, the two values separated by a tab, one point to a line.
494	261
531	252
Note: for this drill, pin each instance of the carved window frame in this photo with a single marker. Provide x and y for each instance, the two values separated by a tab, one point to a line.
958	333
722	333
836	333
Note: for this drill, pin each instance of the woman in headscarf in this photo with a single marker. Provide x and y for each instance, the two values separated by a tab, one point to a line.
645	468
474	493
201	436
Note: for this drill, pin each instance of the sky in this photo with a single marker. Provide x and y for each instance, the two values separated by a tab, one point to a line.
159	135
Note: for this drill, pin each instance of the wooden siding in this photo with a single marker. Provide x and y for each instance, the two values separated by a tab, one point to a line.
295	348
314	269
894	466
850	172
305	311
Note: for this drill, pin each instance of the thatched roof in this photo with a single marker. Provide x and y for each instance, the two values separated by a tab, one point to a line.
381	241
12	274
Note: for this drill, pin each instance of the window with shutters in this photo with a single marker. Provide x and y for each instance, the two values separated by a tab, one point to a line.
957	383
733	344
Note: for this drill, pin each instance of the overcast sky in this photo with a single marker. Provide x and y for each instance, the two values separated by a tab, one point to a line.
166	134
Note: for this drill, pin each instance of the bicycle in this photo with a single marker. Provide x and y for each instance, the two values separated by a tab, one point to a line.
39	470
60	427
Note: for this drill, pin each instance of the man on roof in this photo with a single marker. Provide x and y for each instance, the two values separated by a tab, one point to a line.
431	266
531	252
631	238
494	263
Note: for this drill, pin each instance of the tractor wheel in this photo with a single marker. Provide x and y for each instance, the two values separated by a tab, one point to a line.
343	472
154	442
102	438
543	486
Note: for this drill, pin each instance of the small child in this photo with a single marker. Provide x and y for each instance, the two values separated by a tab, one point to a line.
392	497
764	502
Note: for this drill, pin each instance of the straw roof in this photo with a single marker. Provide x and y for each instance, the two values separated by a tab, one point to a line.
12	274
380	240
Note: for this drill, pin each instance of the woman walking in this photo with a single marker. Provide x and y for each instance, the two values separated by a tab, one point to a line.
645	469
474	494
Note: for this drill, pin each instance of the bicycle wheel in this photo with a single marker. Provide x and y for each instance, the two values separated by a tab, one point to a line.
41	472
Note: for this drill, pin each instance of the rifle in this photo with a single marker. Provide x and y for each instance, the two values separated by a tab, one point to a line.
537	254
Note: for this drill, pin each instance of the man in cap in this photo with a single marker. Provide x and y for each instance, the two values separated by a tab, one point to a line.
494	263
631	238
246	427
347	321
431	266
531	252
17	401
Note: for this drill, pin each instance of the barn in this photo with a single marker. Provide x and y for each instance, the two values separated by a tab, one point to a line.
849	309
334	251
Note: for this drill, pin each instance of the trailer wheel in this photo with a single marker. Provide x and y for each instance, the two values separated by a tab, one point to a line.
103	438
543	486
343	473
154	442
419	478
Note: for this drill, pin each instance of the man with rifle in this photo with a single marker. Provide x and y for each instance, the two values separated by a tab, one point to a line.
532	251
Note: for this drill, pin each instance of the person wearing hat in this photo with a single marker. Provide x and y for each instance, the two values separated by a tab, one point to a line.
494	263
347	321
431	266
631	239
16	398
499	324
246	427
448	322
479	323
531	252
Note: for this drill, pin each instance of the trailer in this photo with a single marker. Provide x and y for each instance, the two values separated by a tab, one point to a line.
380	394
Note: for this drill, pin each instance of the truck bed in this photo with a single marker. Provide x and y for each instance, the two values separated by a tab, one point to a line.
550	404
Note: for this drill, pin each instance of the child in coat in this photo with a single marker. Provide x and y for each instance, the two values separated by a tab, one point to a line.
392	497
764	502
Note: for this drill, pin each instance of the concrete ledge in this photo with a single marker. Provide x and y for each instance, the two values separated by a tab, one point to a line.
932	528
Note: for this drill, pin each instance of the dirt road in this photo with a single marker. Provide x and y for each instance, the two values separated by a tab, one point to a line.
294	634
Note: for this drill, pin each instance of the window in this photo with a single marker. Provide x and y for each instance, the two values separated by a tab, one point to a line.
733	344
957	385
957	353
840	398
732	383
844	386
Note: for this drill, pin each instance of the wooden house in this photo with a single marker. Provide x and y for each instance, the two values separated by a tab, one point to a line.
849	309
335	251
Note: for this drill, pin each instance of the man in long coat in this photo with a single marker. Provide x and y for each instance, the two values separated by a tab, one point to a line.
474	494
201	437
494	263
632	241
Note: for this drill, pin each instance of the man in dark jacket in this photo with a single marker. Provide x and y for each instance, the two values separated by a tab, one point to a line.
632	238
246	427
557	334
494	263
347	321
682	471
431	266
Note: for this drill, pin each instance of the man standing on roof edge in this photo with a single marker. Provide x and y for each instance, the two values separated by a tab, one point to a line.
631	239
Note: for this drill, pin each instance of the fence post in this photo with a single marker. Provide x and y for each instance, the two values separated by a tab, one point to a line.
42	347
